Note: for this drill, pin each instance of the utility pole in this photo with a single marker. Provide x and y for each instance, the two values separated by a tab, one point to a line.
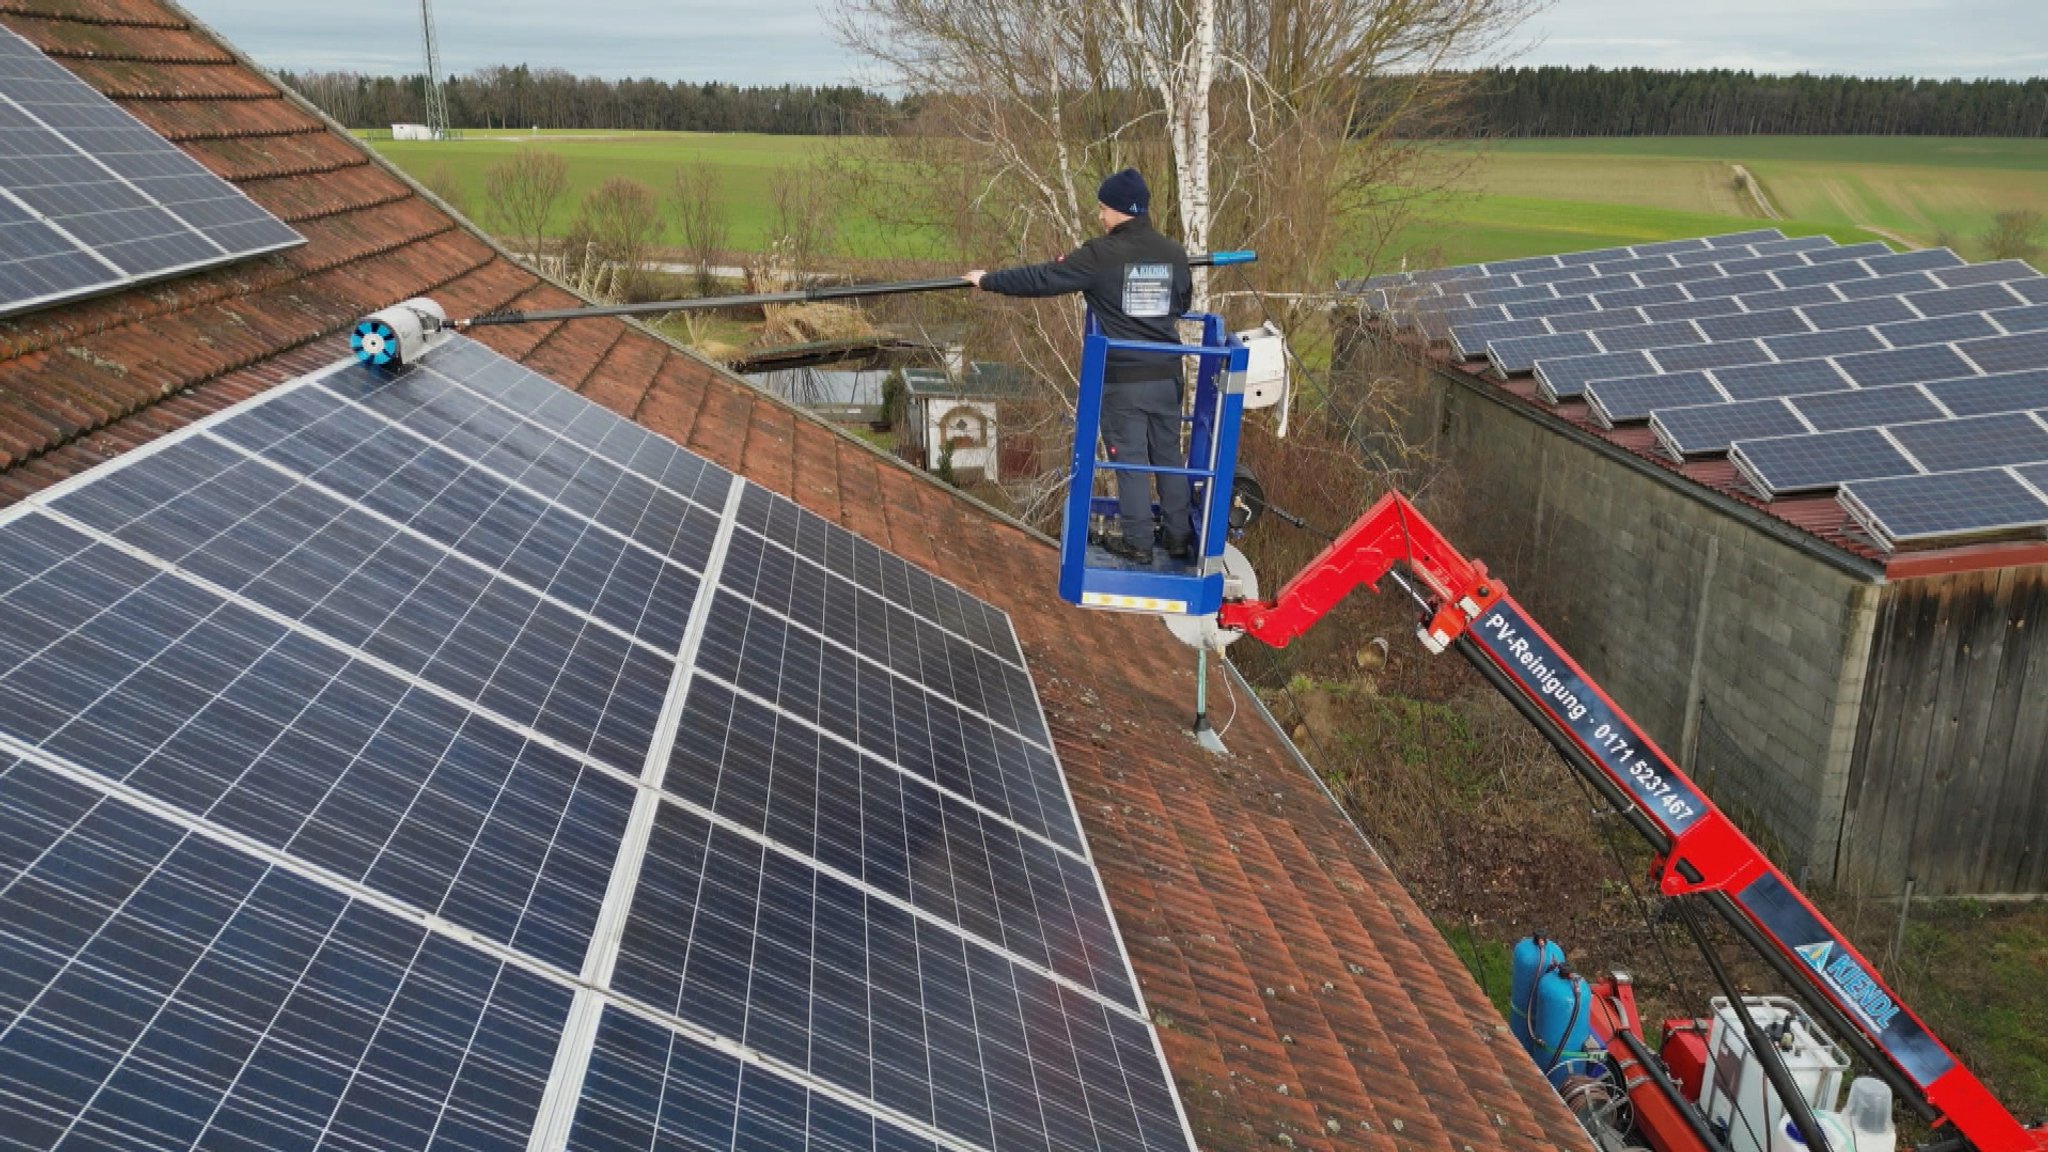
437	103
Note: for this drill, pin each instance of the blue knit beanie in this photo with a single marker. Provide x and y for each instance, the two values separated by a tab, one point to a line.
1125	192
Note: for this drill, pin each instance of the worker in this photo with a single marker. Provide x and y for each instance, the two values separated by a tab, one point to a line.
1137	283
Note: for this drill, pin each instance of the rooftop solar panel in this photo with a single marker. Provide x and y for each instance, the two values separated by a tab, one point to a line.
1738	239
1562	377
1711	256
1790	298
1975	298
1633	398
1904	366
1745	325
1669	334
1693	309
1526	264
1761	263
1510	295
1819	461
1710	429
1514	357
1837	342
1669	247
627	794
1938	330
1889	284
1792	378
1593	285
1858	313
1974	441
91	200
1591	321
1733	286
2007	353
1947	507
1681	274
1866	407
1470	340
2026	318
2034	291
1688	357
1577	271
1927	259
1637	297
1556	306
1847	252
1990	273
1830	273
1795	244
1596	256
1637	264
2003	392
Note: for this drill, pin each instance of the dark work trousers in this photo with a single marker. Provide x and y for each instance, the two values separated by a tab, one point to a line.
1141	425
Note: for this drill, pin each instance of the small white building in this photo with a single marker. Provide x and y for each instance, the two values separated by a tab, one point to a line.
411	132
950	419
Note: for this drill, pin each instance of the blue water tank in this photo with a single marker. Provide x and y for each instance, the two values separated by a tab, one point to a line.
1560	1023
1533	954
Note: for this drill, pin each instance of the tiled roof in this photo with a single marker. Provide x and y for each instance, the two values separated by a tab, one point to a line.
1299	990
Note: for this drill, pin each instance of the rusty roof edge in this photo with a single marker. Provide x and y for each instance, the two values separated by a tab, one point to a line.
1778	530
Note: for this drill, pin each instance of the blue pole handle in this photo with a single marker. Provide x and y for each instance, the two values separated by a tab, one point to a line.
1219	259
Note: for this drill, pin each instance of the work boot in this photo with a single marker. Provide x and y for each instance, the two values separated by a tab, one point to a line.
1182	548
1123	549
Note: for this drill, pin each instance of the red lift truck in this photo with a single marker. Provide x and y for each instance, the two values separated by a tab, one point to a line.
1677	1100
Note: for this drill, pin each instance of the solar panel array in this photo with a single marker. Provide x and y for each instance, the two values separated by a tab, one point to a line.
439	760
1815	367
91	200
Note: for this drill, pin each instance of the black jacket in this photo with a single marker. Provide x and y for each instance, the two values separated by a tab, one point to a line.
1134	279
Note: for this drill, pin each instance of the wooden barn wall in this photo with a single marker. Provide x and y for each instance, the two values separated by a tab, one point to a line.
1949	781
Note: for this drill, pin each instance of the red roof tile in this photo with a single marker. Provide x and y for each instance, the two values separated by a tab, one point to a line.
1298	989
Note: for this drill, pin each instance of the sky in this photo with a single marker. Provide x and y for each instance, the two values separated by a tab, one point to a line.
786	41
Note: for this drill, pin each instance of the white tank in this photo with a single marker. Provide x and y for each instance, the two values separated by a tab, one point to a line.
1832	1125
1738	1097
1869	1114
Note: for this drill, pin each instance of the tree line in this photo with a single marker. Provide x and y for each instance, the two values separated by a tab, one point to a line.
1553	101
523	97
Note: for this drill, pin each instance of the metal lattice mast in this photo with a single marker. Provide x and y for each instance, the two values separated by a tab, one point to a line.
437	102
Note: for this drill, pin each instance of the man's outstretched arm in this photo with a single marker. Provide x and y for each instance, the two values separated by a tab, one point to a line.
1053	278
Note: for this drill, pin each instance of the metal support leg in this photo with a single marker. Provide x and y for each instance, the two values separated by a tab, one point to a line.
1204	735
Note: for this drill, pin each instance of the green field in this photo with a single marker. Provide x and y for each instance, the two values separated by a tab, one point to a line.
1525	197
1515	198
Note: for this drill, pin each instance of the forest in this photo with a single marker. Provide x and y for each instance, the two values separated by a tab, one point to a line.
1511	102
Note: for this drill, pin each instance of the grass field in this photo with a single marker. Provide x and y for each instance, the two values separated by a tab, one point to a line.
1515	198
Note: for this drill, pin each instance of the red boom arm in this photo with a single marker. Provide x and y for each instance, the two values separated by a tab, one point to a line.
1700	851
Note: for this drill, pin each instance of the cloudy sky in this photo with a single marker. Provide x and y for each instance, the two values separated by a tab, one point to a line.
777	41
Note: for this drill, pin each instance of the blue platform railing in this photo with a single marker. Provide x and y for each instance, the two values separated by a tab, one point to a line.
1092	577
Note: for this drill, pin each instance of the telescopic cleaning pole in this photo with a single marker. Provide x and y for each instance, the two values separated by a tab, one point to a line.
801	296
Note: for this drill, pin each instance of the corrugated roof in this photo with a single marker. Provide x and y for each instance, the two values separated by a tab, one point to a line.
1299	990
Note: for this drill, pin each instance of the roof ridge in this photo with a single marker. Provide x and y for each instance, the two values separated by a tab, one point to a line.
92	18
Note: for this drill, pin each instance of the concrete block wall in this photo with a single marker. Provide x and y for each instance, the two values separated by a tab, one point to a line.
1742	656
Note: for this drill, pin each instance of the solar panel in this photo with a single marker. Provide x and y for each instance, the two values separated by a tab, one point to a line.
437	757
1763	263
1792	378
1974	441
1633	398
1535	309
1859	313
1711	428
1470	340
1733	286
1976	298
2034	291
1888	284
1637	264
1812	345
1790	298
1996	271
1511	295
1982	395
2026	318
1847	252
1694	356
1514	357
1795	244
1637	297
1911	509
1712	256
1904	366
1790	464
1751	324
1693	309
1866	408
91	200
1681	274
1667	335
1938	330
1576	271
1596	256
1926	259
1525	264
1833	273
1565	376
1591	321
1669	247
1592	285
1739	239
2007	353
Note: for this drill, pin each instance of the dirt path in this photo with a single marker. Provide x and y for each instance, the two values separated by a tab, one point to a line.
1756	193
1897	240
